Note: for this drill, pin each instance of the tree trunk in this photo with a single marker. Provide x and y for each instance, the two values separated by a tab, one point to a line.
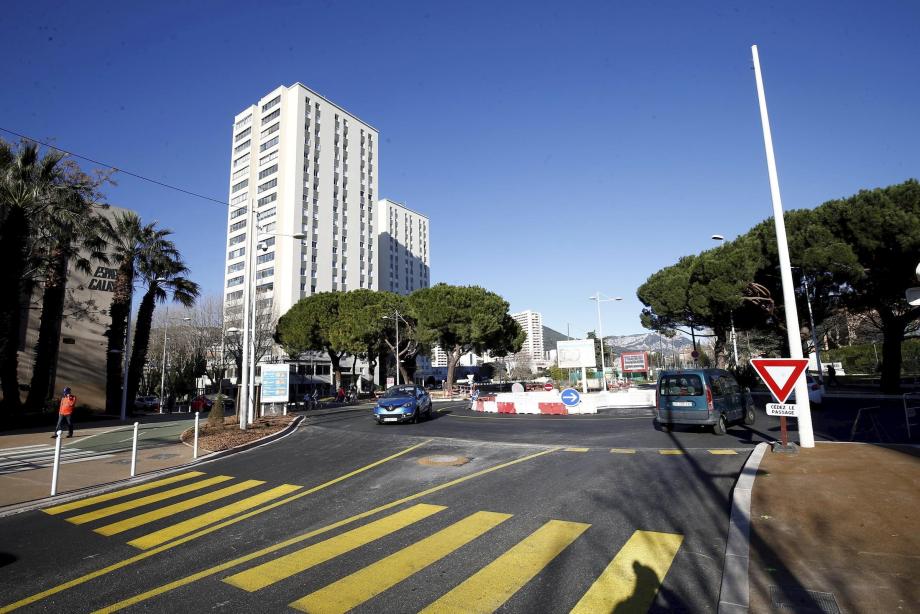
12	266
892	337
452	360
336	368
47	348
718	347
141	340
119	311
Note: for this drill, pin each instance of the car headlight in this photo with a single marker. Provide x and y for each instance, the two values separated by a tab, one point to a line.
409	404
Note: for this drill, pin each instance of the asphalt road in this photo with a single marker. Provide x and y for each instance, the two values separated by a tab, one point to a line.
460	513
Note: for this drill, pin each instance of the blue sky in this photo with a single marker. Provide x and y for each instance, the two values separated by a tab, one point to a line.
559	149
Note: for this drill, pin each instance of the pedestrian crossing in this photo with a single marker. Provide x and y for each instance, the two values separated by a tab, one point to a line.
635	572
26	458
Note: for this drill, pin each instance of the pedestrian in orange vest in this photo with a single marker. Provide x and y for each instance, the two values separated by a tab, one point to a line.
65	413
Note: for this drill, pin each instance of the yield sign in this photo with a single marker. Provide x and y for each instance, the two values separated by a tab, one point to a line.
780	374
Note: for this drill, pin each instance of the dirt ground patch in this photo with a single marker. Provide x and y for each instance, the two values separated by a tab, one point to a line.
229	435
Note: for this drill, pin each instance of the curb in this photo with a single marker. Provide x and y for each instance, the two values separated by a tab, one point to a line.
28	506
734	596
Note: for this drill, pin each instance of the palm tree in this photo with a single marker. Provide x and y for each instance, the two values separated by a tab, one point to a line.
132	244
164	275
73	233
28	182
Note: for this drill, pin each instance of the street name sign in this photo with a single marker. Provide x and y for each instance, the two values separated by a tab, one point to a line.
570	397
780	374
778	409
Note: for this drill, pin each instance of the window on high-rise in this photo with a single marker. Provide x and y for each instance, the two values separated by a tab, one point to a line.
267	144
271	116
271	103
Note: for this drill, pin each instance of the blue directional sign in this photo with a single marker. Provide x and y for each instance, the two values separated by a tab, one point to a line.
570	397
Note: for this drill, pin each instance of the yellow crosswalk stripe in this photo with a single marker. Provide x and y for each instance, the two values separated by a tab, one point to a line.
300	560
193	524
73	505
353	590
622	451
722	451
671	452
160	496
490	587
575	450
175	508
631	580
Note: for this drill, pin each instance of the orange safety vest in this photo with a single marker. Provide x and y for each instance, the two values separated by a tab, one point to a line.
67	404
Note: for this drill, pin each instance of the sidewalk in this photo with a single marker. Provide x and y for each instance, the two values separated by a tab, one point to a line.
837	523
95	455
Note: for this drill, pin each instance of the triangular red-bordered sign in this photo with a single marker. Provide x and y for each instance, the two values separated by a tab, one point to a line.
780	374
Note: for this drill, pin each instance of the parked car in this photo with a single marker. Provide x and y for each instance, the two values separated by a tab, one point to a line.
204	402
147	403
402	404
702	396
815	391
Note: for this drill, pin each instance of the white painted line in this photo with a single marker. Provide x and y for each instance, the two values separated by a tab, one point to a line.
735	594
39	445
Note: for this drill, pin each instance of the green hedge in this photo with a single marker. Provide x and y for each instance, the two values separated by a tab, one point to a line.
861	358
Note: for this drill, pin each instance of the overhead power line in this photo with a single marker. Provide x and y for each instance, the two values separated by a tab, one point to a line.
115	168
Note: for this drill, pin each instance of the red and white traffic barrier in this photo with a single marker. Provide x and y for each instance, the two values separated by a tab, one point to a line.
550	402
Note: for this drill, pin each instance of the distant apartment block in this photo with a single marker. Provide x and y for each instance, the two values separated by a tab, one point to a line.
299	164
403	256
532	323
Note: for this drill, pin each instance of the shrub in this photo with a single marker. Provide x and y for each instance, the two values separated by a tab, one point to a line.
216	415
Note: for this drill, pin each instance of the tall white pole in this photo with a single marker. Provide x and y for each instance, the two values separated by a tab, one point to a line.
57	462
163	365
127	360
734	337
806	433
134	450
814	332
195	446
600	330
251	375
243	378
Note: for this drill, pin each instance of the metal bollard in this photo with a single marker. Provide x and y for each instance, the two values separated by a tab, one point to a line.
134	450
195	446
57	463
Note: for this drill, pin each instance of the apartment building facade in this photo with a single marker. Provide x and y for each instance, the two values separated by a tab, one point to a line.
300	164
532	323
403	256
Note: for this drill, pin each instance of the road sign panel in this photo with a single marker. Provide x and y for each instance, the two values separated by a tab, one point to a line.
780	374
547	386
570	397
778	409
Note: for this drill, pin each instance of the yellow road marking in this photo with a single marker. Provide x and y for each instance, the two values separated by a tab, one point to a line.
490	587
182	540
301	560
66	507
175	508
631	580
576	450
187	526
722	452
268	550
671	452
353	590
622	451
135	503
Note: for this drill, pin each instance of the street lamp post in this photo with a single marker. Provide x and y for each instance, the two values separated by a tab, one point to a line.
396	317
806	431
600	331
731	313
247	390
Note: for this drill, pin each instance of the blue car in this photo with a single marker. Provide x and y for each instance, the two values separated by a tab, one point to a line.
402	404
703	397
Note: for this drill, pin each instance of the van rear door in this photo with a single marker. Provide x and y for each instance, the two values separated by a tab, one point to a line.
682	396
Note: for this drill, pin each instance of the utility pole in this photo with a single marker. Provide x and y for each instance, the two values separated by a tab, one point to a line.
806	433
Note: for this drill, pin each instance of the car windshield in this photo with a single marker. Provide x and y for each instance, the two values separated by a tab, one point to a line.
399	391
681	385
